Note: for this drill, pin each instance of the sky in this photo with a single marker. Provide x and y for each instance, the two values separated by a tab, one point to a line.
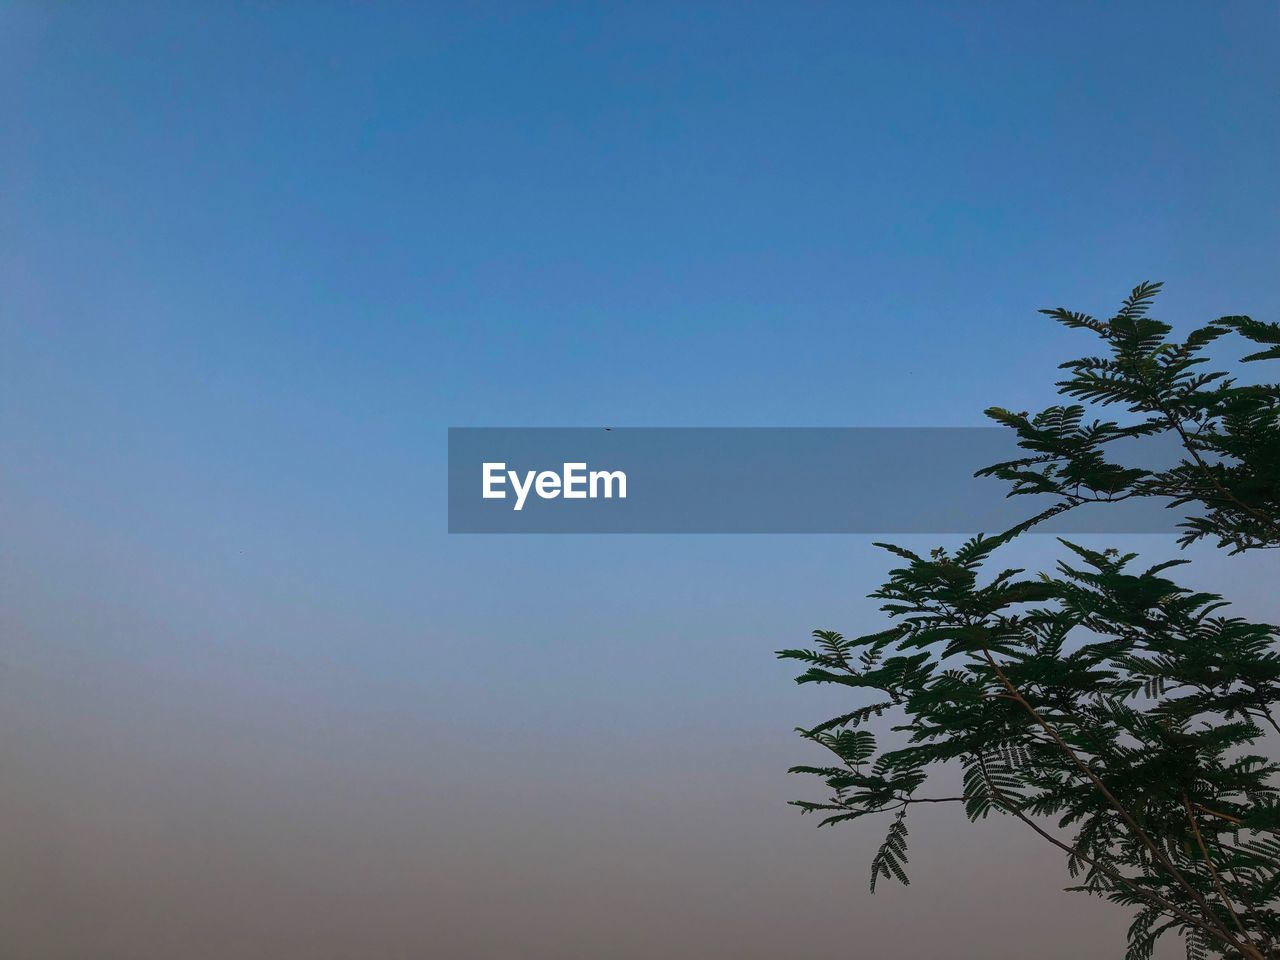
256	259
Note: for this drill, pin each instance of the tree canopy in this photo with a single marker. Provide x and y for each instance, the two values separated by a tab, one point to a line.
1100	705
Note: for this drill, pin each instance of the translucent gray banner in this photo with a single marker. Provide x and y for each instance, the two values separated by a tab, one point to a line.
755	480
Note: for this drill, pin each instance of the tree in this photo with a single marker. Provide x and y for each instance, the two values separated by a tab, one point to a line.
1101	706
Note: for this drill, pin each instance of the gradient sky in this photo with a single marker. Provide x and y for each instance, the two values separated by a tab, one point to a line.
255	259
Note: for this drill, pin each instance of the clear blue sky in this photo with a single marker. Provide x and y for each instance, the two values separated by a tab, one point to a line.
254	259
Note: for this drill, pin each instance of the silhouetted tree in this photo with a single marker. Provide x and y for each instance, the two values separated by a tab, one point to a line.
1100	705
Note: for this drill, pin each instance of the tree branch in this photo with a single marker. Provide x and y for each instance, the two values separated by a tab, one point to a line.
1133	825
1208	862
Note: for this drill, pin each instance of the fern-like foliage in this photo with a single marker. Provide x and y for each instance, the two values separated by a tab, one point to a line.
1228	431
891	859
1100	705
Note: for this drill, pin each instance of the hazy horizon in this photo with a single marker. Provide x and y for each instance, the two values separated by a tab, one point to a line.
257	703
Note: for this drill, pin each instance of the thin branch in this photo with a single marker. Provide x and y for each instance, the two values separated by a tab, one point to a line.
1111	874
1133	825
1187	445
1221	816
1208	862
